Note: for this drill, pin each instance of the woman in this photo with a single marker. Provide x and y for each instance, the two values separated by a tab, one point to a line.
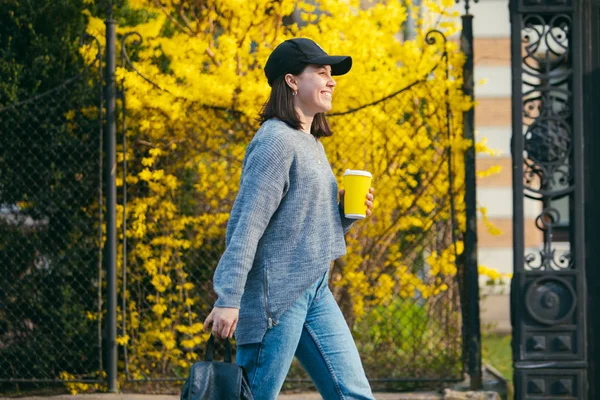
286	227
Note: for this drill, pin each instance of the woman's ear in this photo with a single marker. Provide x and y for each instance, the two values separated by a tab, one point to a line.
291	81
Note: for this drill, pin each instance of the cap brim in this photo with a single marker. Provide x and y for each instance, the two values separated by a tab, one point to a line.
340	65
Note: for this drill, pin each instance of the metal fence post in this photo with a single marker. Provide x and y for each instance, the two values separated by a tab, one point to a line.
111	198
471	275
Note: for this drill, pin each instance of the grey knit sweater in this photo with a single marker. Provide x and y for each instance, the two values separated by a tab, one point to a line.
284	230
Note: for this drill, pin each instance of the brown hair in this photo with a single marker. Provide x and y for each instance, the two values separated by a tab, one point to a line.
280	105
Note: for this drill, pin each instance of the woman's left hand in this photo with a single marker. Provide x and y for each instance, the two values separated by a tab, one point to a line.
369	201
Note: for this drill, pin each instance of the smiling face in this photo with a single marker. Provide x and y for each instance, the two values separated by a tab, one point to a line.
314	88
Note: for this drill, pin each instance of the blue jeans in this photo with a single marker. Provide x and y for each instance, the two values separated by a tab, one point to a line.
315	331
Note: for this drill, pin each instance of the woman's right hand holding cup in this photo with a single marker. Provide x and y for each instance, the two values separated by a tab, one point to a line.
224	321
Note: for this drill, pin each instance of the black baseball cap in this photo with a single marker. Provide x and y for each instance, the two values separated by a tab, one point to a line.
291	56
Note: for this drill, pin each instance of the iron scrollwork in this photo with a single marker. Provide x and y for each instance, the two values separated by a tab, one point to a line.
547	106
547	258
126	60
547	114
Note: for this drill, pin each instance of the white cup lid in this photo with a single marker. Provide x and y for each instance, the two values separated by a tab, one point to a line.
357	172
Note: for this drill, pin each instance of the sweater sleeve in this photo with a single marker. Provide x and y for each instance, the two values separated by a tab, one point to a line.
263	184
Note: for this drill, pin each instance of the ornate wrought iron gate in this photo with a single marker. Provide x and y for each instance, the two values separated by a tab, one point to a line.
548	297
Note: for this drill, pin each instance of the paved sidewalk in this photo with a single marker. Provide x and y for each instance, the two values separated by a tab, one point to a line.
298	396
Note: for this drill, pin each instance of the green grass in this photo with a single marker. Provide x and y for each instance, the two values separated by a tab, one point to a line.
497	353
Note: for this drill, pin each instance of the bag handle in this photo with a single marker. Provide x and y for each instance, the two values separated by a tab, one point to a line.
210	349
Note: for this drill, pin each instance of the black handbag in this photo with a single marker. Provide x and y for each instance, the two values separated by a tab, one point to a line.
211	380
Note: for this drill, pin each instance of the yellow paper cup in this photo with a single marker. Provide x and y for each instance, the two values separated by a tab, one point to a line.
356	184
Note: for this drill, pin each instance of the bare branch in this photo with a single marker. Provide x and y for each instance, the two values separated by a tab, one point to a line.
190	31
168	15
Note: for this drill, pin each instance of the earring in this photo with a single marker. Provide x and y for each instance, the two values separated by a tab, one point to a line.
295	92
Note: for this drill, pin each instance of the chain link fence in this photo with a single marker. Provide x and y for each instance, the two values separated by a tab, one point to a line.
50	235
